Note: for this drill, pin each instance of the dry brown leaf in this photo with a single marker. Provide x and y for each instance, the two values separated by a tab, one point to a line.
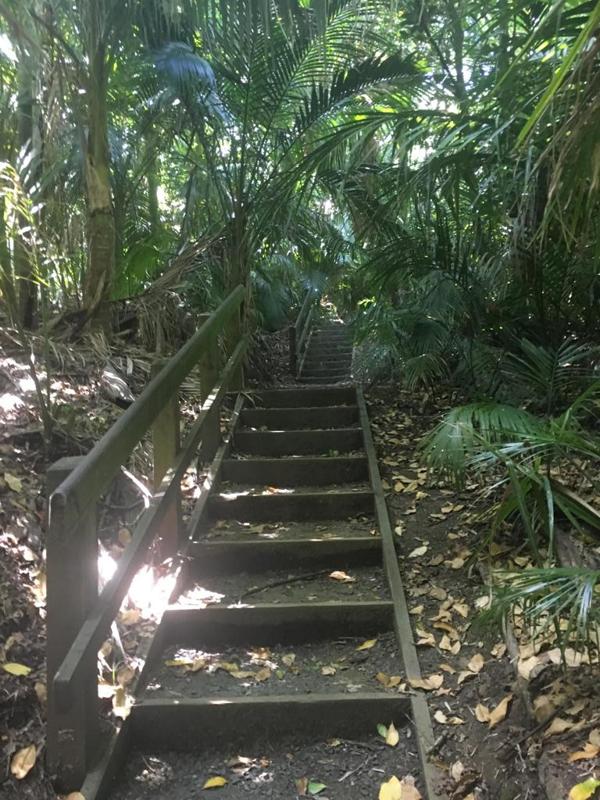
482	713
465	675
389	681
476	663
416	610
425	639
262	674
462	609
301	786
499	713
558	725
438	593
328	670
428	684
418	551
288	659
23	762
343	577
589	751
456	770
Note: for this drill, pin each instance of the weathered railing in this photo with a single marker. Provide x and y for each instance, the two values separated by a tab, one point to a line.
78	617
299	331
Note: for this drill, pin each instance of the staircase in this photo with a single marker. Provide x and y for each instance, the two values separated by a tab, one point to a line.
328	357
289	606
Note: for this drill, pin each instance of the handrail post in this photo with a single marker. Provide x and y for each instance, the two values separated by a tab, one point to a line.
293	350
209	367
233	335
166	443
72	590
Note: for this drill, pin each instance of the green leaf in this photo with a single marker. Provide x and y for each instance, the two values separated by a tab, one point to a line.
382	730
314	787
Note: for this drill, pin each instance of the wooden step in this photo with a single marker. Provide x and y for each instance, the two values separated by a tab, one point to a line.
336	373
324	381
219	557
301	397
269	624
193	724
284	507
297	418
296	471
298	442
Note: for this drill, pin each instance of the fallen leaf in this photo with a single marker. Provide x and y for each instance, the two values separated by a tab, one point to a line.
314	787
583	791
589	751
392	736
23	762
500	712
288	659
399	529
343	577
462	609
74	796
389	681
476	663
367	645
399	790
391	790
438	593
16	669
301	786
262	674
417	610
328	670
425	639
13	482
456	770
217	782
558	725
418	551
428	684
482	713
455	563
440	717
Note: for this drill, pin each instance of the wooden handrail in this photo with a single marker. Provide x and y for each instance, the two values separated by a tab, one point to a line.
94	475
78	619
299	330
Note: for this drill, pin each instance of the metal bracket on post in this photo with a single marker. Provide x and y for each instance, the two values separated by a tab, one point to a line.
166	443
72	590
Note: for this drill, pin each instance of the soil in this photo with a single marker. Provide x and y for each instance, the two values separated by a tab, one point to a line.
437	534
314	667
289	586
272	770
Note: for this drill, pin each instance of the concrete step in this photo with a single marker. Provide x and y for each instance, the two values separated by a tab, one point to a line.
329	362
299	442
302	398
297	418
284	507
329	352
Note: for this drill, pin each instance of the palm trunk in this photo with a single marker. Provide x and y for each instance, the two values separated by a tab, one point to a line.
23	262
98	279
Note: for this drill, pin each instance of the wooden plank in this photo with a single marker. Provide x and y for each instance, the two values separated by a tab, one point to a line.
190	725
72	581
226	557
289	506
420	710
304	471
273	443
269	624
300	397
295	418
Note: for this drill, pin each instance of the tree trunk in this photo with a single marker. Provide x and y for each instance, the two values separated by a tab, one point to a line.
98	279
23	263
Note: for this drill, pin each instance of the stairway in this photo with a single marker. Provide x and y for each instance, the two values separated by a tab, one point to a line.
289	606
328	357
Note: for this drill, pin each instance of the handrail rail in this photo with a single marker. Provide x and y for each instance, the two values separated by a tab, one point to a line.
93	476
78	618
298	331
